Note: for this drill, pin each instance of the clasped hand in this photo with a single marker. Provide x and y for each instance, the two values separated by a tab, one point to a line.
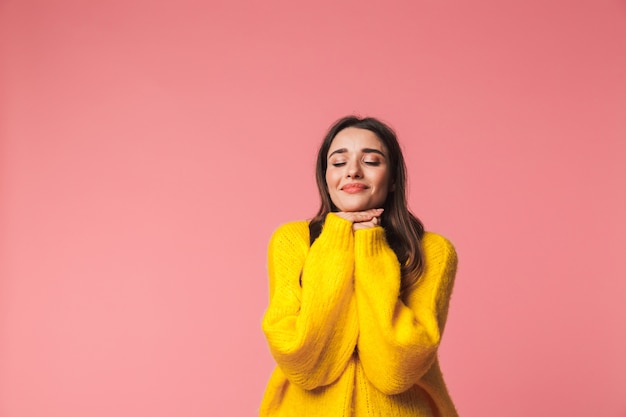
362	219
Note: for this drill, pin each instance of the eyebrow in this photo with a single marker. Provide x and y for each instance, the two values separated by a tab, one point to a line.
364	150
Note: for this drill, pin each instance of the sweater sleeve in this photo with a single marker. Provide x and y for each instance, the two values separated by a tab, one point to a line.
311	323
399	336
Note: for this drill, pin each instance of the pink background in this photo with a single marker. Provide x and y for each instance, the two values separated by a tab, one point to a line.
149	149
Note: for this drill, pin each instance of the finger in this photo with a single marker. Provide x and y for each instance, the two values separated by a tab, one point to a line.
373	212
360	216
369	214
354	216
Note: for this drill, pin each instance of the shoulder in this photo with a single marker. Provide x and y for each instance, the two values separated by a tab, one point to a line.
294	234
438	249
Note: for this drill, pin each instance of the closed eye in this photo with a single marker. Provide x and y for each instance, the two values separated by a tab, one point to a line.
338	164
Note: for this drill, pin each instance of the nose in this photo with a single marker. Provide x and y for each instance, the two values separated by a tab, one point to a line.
354	170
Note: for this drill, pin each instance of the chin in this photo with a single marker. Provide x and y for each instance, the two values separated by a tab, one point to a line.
353	208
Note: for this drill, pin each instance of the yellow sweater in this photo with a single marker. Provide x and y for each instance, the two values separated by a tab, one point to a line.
345	343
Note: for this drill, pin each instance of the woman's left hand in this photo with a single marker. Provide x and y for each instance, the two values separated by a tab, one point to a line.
362	219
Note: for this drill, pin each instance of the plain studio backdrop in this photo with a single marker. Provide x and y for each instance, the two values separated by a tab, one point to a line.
150	148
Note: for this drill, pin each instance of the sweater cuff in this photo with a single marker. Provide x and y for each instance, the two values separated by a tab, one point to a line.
337	232
369	242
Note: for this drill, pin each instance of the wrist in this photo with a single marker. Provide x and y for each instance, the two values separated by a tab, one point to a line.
370	241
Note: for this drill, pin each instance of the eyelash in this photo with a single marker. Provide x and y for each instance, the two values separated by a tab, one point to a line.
371	163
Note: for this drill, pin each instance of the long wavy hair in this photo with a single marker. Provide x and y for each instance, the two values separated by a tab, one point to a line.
403	230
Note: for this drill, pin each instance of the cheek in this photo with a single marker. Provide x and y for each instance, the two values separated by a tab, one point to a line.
383	180
330	178
384	185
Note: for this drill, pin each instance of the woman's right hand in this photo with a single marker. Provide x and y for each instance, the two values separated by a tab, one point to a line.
362	219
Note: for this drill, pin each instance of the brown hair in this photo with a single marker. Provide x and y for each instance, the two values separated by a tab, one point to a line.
403	230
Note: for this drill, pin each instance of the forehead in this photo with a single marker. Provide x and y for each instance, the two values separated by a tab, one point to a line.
355	139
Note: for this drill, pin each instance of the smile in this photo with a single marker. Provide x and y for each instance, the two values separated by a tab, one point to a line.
353	188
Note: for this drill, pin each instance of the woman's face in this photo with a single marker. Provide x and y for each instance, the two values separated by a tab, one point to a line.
357	175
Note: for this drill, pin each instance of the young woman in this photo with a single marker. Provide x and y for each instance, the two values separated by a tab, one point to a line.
359	295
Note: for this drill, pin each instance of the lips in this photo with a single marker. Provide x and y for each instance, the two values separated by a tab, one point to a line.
353	188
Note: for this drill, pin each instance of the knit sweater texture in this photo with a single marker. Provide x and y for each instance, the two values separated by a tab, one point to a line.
346	342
